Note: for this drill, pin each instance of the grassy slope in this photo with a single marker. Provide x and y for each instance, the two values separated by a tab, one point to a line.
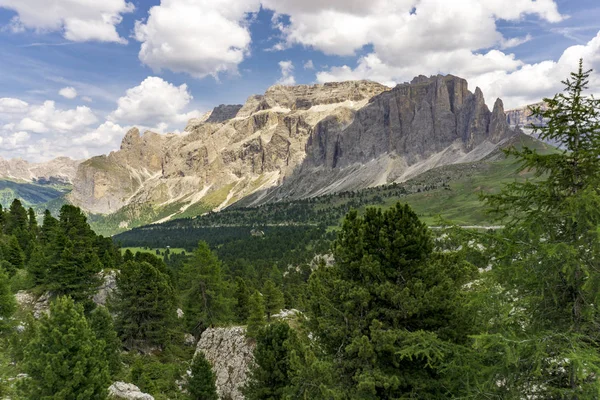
30	194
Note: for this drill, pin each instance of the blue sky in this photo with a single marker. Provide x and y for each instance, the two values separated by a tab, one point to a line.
101	54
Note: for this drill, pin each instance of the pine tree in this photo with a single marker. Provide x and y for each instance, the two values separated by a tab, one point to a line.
101	323
242	298
145	306
14	254
32	223
271	372
37	266
273	299
65	360
388	312
256	314
201	382
16	218
49	225
546	259
7	301
204	290
75	272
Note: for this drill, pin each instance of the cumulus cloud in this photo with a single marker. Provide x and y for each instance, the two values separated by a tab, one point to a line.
287	73
68	92
152	102
10	105
409	37
197	37
309	65
47	117
79	21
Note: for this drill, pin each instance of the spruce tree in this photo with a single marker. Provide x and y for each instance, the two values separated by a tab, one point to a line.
273	299
546	259
204	290
242	298
388	312
201	382
65	360
7	301
144	304
271	372
101	323
14	254
256	314
37	266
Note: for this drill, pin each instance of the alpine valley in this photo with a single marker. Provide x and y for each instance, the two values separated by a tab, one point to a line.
433	137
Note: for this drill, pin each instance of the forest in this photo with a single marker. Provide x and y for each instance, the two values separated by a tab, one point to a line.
392	310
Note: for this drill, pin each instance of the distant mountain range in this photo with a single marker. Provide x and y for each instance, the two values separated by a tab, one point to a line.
292	142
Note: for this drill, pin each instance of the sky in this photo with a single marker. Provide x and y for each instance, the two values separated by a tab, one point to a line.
75	75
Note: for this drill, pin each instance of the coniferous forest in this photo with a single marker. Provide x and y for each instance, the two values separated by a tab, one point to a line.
391	310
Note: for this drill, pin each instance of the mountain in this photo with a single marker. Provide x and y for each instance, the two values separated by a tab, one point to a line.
60	170
292	142
522	117
44	185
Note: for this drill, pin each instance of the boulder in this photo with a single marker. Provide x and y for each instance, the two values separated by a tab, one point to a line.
109	284
127	391
230	353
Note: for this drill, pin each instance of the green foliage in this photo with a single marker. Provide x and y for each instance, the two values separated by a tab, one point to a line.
242	300
270	374
157	378
144	305
7	301
273	298
546	261
256	314
101	323
201	382
65	360
205	299
389	311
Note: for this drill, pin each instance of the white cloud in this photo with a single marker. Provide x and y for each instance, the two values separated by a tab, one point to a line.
108	134
152	102
309	65
197	37
69	92
10	105
87	99
287	73
78	20
409	37
47	118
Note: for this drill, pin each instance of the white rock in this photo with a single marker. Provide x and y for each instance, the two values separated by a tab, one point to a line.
230	353
127	391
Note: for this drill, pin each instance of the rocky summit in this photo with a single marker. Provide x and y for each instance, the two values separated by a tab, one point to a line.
294	142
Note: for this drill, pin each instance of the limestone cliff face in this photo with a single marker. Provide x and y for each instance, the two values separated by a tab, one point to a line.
398	134
230	353
220	158
104	184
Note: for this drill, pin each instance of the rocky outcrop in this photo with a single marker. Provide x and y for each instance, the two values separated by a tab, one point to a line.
37	305
126	391
108	286
223	112
230	354
59	170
